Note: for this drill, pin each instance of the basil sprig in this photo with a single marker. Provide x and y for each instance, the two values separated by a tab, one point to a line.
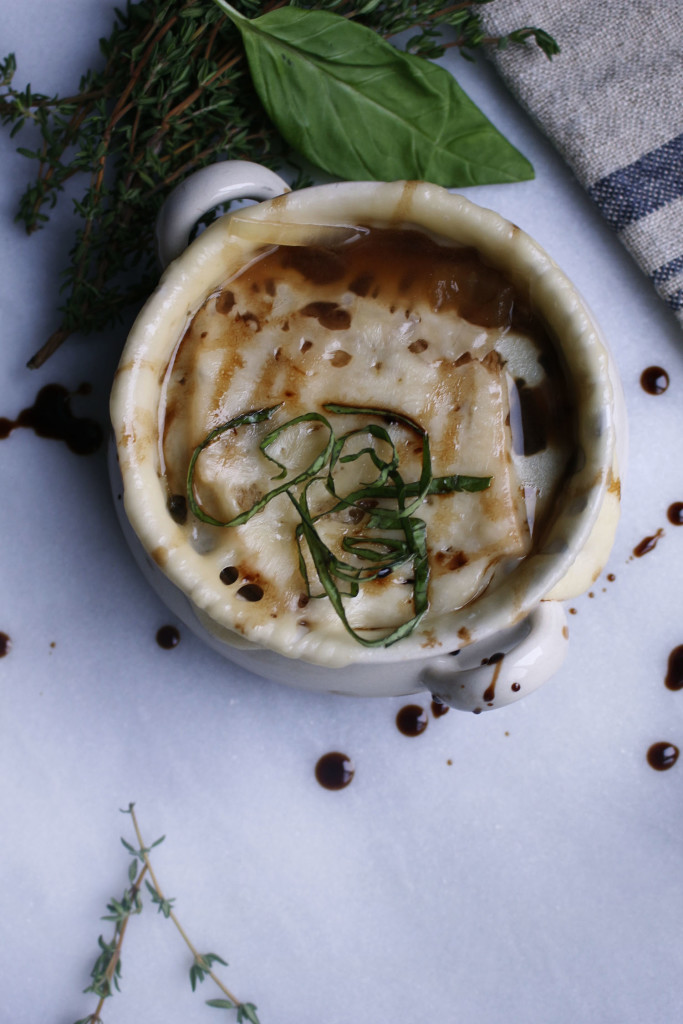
406	537
360	109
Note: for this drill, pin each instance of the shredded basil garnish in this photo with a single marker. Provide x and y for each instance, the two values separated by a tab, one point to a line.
405	540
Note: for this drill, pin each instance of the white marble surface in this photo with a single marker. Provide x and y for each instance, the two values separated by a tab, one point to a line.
523	865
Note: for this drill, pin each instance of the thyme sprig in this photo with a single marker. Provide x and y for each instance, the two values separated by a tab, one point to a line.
172	94
402	538
106	971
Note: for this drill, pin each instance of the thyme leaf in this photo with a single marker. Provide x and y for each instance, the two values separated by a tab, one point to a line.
385	552
106	971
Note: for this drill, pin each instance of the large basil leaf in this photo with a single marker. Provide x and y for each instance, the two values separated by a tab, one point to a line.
359	108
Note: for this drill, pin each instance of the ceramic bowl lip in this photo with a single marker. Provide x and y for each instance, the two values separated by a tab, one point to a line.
137	390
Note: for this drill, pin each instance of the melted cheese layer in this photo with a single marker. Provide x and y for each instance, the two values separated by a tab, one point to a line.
392	321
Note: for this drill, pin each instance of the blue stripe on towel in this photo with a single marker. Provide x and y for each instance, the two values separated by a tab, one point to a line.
640	188
675	301
668	270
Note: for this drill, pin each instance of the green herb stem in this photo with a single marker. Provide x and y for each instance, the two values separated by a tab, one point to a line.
198	958
107	968
119	935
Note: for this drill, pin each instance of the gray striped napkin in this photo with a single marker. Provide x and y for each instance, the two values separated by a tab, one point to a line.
612	104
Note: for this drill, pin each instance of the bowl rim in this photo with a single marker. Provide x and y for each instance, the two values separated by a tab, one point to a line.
138	389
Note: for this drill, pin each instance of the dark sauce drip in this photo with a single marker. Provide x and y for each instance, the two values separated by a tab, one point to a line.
168	637
251	592
334	770
50	416
457	279
439	709
674	513
490	691
493	659
412	720
5	644
225	301
647	544
654	380
361	285
662	756
674	672
229	575
317	264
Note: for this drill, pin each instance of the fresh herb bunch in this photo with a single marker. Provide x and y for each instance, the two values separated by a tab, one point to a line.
402	537
174	93
106	972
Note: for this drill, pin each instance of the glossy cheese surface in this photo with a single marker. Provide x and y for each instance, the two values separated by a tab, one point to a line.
388	320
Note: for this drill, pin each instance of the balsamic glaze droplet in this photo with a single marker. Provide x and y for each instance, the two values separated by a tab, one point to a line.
251	592
334	770
654	380
662	756
177	508
229	575
168	637
412	720
439	708
674	673
5	644
674	513
51	416
647	544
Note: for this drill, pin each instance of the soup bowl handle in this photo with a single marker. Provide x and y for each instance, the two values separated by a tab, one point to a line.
504	677
202	191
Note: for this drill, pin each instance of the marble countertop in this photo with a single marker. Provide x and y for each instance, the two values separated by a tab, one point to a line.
523	865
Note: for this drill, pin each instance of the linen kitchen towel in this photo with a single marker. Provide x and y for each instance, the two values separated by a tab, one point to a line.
612	103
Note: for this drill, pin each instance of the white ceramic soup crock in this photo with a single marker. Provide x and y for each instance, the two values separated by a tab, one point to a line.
513	635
